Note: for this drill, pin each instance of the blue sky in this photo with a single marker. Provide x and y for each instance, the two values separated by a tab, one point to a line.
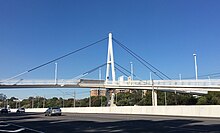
165	33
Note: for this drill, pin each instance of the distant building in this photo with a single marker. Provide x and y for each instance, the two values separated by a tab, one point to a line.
97	92
102	92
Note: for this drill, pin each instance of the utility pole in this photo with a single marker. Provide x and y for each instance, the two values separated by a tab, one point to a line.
44	102
90	99
74	102
63	101
165	98
32	102
116	98
101	100
63	96
100	77
38	103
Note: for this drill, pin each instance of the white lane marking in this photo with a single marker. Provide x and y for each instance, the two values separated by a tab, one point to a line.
4	125
13	131
184	128
53	122
27	128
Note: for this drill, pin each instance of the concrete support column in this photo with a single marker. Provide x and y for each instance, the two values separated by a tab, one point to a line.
108	97
154	97
112	99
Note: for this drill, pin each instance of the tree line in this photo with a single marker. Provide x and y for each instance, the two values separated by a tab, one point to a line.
121	99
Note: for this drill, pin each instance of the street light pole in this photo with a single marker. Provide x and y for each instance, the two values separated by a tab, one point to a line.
132	71
196	67
100	74
180	77
56	69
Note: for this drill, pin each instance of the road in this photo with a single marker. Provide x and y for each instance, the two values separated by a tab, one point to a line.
70	122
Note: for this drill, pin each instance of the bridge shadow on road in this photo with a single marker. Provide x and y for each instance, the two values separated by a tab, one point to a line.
64	124
18	116
132	126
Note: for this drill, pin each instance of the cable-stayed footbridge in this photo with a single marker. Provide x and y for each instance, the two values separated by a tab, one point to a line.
185	86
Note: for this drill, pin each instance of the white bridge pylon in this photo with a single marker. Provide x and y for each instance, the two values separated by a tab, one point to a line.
110	60
110	63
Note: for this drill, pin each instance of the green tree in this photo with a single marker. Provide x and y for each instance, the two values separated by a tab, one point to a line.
212	98
147	100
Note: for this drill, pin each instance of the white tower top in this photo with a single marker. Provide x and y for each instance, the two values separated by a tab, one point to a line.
110	59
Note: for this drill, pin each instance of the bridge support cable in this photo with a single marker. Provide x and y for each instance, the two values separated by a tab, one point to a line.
88	72
142	61
121	71
212	75
18	75
96	68
56	59
138	59
127	71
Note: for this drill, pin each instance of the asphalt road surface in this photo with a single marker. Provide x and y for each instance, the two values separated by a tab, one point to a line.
87	123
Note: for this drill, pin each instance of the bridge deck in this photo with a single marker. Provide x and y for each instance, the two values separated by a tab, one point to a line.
183	85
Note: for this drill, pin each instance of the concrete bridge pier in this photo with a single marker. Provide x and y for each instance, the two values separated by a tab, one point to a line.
154	97
107	97
110	99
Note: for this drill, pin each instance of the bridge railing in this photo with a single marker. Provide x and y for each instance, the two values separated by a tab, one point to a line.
39	82
213	82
